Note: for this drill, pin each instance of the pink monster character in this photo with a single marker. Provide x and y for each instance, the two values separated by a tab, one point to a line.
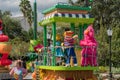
89	45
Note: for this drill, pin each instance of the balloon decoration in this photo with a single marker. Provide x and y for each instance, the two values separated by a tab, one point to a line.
3	38
89	45
5	48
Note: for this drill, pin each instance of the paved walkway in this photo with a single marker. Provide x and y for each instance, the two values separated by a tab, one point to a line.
28	76
106	76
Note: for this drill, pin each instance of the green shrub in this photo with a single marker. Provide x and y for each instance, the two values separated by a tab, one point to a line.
102	69
116	70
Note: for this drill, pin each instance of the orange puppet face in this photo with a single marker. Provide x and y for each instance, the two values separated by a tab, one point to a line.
86	32
89	31
68	34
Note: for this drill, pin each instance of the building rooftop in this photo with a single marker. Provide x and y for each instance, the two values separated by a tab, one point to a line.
65	6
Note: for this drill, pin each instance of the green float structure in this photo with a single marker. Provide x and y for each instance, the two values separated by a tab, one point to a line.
65	15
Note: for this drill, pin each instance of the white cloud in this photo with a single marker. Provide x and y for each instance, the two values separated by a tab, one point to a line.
13	6
10	5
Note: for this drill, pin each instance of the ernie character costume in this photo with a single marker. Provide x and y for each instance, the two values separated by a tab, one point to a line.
69	46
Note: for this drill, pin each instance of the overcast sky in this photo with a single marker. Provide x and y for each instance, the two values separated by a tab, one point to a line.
13	6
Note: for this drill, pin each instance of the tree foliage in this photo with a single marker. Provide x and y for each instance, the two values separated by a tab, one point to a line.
19	48
80	2
26	9
116	46
18	37
106	12
11	27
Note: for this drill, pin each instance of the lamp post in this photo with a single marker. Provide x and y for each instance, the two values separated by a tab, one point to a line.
109	32
35	20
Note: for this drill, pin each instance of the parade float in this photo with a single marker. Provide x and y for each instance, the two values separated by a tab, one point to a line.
5	49
73	17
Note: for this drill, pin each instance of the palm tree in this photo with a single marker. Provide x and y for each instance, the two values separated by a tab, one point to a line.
26	9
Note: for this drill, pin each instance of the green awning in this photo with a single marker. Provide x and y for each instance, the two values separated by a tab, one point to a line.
67	18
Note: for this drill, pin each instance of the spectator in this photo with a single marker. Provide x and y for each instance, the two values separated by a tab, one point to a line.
32	67
18	71
36	62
